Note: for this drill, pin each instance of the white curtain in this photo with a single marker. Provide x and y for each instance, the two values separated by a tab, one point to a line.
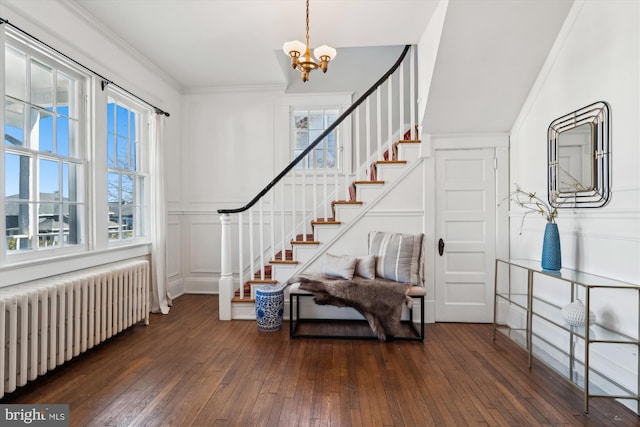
160	300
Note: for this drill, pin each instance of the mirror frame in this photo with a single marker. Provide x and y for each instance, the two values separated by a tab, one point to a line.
597	115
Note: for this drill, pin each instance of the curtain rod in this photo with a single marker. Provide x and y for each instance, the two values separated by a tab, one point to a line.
104	82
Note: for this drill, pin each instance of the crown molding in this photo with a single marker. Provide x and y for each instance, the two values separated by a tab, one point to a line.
203	90
119	42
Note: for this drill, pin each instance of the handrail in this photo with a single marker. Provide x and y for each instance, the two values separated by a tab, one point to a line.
323	135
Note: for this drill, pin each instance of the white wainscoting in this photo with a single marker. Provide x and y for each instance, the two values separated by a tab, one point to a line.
174	255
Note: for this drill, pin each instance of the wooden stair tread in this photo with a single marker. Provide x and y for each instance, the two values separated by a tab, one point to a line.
304	239
409	141
320	222
286	261
325	220
266	281
346	202
368	182
305	242
245	299
391	162
288	258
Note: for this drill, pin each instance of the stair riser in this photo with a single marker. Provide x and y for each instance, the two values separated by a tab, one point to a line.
390	172
282	272
303	253
409	152
325	233
243	311
369	192
347	213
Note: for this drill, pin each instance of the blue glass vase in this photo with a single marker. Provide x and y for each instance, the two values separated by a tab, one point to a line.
551	258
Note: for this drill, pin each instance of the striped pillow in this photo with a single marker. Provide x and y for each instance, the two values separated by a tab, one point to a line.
398	256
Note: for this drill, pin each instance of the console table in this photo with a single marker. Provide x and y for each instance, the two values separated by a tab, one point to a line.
534	306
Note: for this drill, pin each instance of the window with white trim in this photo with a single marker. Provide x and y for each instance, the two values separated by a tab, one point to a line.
44	151
65	192
307	124
127	154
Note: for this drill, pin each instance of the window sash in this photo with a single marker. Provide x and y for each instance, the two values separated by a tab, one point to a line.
127	176
307	124
43	152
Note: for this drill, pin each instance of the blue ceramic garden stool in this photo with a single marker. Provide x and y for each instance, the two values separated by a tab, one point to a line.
269	308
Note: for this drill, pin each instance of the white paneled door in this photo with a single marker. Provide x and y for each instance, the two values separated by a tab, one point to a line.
465	234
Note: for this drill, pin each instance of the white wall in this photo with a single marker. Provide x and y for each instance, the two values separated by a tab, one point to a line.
427	54
229	158
67	29
595	58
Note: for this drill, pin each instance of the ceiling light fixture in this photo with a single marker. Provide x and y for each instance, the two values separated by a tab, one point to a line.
301	55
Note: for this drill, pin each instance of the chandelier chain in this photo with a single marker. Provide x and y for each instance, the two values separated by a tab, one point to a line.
308	25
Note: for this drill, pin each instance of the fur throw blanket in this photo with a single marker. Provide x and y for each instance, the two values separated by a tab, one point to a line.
378	300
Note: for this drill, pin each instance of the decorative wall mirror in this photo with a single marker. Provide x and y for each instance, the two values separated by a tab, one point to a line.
578	151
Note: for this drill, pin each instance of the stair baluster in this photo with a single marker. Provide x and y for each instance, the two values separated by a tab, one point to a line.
390	109
356	147
379	124
261	240
241	253
304	200
282	224
272	229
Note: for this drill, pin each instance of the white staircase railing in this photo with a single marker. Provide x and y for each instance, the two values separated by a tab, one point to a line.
283	215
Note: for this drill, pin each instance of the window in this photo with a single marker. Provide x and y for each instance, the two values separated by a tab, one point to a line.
127	178
71	181
307	125
43	151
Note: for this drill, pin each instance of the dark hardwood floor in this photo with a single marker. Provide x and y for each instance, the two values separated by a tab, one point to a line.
189	369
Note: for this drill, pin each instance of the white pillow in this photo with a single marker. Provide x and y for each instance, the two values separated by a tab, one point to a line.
366	266
339	266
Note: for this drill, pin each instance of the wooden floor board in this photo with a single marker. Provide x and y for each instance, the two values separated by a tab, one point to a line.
188	368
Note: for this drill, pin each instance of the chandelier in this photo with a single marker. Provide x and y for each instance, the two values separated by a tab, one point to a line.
300	54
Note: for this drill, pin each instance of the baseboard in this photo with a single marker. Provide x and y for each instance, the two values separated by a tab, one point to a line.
175	289
204	285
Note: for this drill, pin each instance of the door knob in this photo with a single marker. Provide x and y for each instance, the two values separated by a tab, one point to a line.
440	247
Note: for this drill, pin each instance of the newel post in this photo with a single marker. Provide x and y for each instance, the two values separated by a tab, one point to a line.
225	284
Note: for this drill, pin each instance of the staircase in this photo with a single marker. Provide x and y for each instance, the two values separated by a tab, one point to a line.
298	216
311	239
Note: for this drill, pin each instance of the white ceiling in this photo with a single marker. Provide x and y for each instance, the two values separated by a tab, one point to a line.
490	53
215	43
